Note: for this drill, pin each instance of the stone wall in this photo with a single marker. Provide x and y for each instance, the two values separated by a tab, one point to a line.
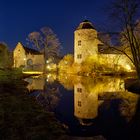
85	44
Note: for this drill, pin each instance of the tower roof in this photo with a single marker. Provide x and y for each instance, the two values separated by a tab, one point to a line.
86	24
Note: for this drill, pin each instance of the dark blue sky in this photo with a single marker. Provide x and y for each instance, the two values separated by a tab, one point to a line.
20	17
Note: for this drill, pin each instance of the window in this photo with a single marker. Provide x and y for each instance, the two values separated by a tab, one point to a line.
79	56
79	103
79	90
29	62
79	43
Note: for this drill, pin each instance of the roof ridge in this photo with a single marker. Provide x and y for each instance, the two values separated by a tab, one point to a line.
32	51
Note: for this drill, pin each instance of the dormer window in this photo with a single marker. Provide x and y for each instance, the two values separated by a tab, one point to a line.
101	50
79	43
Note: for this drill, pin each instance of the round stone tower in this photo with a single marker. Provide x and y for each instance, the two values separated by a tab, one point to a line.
85	41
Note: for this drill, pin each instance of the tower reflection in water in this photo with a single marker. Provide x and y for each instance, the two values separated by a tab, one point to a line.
86	96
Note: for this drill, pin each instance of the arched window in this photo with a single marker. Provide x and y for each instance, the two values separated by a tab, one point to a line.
29	62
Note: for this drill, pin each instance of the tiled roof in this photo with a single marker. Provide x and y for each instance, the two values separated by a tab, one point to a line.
32	51
102	49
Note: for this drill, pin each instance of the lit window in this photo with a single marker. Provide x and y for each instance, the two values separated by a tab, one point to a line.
79	103
79	56
79	43
79	90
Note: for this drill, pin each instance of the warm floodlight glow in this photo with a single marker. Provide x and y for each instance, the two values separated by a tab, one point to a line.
48	76
66	62
128	67
47	61
48	67
32	72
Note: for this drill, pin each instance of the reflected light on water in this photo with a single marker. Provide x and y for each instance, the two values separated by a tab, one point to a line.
89	94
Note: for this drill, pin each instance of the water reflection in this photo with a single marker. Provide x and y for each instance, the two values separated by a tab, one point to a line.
94	101
35	83
45	90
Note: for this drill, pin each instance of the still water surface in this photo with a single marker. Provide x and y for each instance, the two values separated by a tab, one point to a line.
89	106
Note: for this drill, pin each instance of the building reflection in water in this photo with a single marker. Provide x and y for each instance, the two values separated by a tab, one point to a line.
35	84
45	90
39	83
89	94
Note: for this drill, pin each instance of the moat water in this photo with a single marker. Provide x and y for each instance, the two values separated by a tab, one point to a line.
89	106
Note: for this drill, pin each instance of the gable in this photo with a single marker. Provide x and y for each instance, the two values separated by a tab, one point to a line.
19	49
22	49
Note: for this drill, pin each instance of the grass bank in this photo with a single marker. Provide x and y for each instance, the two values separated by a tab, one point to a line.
21	118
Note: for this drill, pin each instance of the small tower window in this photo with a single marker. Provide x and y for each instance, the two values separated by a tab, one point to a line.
79	56
79	90
79	103
79	43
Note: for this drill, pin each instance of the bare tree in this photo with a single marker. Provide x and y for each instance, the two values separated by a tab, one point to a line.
45	41
126	13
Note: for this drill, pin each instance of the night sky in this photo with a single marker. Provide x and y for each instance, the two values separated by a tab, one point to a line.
20	17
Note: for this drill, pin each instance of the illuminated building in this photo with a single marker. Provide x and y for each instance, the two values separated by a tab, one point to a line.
28	59
87	44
